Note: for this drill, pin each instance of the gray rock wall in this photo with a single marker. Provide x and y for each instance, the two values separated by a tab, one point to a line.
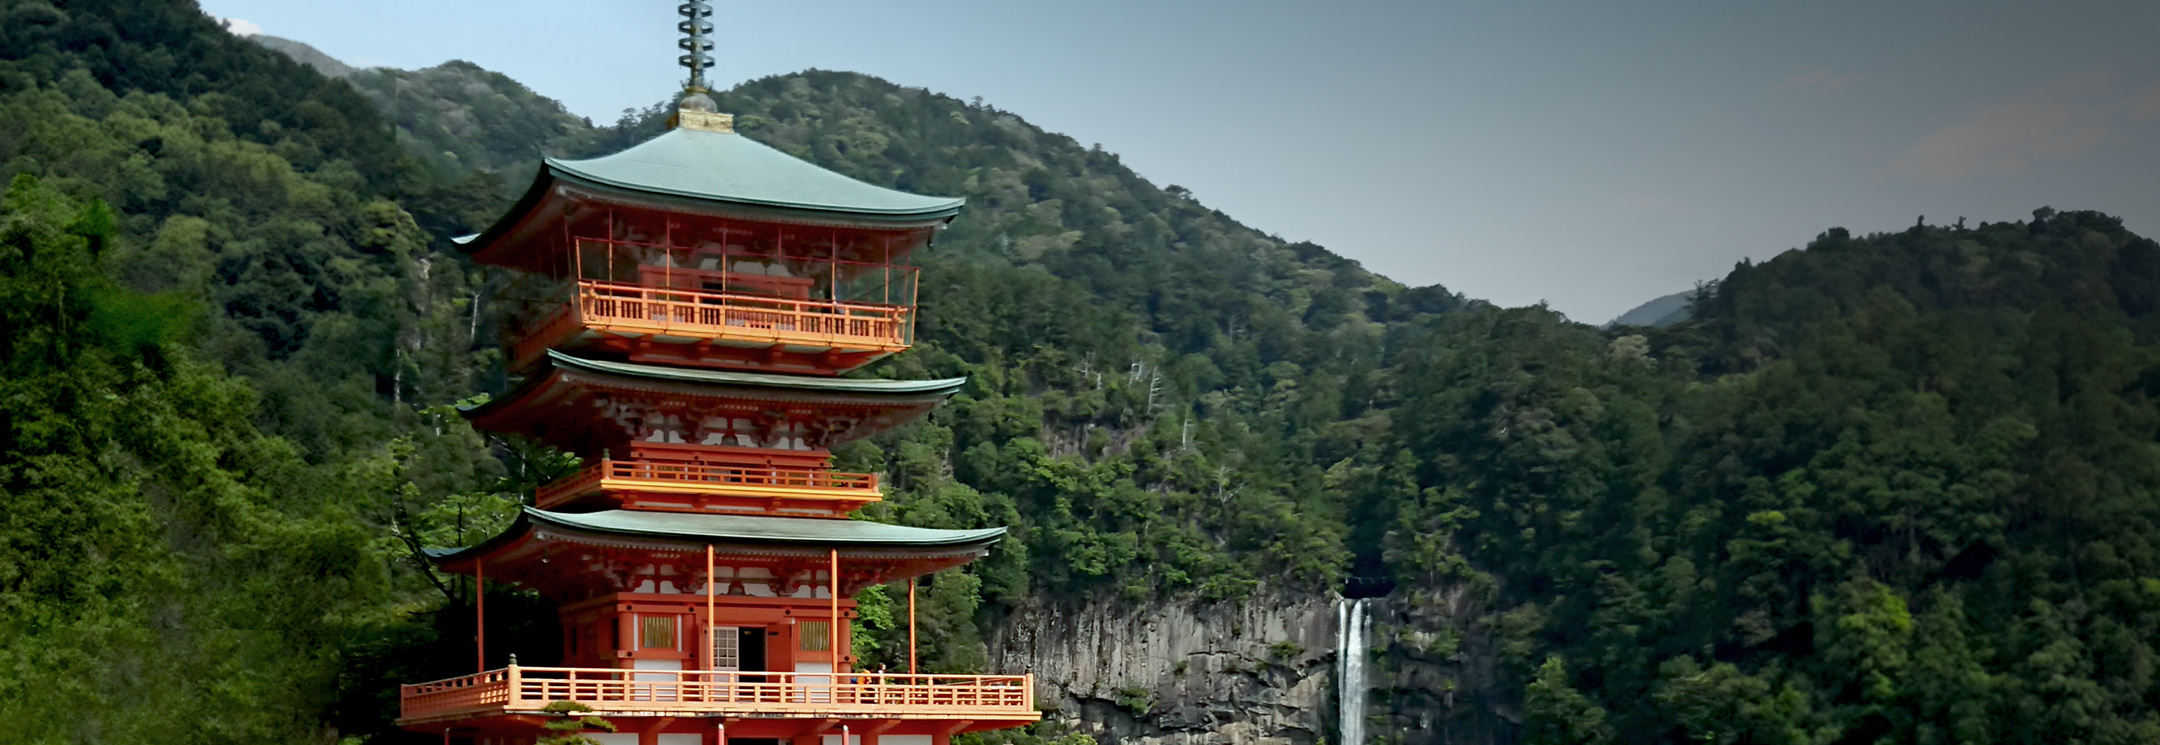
1181	672
1260	672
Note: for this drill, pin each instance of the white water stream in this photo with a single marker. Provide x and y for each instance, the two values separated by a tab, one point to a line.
1350	652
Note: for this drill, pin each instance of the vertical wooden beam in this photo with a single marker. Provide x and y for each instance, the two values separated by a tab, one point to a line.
480	613
914	292
710	589
911	627
832	629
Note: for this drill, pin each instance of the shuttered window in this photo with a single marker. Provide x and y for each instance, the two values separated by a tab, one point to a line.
657	632
816	635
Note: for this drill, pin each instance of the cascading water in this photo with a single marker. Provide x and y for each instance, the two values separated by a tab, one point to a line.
1350	681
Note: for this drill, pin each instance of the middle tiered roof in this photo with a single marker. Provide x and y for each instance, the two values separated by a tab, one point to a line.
594	406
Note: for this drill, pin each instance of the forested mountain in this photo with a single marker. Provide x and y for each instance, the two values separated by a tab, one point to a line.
1886	488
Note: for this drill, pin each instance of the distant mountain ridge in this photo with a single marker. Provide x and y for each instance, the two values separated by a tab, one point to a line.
304	54
458	117
1658	313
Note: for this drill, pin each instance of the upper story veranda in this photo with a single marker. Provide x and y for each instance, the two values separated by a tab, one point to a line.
703	247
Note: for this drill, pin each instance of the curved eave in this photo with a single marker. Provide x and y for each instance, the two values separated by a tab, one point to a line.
729	168
690	531
776	210
632	374
941	386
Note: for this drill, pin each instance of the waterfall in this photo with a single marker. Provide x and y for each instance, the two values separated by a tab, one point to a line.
1350	652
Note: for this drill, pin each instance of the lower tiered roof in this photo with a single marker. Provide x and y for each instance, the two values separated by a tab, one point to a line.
557	553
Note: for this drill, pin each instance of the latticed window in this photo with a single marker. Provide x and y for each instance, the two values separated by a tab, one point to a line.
816	636
657	632
726	648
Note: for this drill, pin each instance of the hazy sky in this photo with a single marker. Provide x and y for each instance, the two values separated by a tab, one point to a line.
1592	155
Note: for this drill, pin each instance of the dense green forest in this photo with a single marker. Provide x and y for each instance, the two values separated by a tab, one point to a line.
1888	488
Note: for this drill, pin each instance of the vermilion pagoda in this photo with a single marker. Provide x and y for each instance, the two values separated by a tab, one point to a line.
702	295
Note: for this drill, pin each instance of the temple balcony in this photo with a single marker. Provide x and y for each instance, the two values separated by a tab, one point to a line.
718	328
785	302
715	487
516	691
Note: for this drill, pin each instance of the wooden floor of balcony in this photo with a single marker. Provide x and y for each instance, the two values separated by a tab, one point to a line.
691	317
660	484
760	695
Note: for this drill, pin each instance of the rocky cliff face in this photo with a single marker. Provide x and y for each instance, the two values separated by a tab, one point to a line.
1433	676
1258	672
1182	671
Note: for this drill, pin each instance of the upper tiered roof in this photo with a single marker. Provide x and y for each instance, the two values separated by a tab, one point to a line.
729	168
703	166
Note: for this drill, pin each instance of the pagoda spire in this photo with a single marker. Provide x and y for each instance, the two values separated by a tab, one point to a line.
696	111
696	27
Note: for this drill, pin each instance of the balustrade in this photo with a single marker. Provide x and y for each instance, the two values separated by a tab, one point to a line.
607	690
625	308
717	480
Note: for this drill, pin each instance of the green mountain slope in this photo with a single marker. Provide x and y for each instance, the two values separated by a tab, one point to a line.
1894	488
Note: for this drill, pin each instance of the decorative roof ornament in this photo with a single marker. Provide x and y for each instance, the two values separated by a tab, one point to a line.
696	26
696	111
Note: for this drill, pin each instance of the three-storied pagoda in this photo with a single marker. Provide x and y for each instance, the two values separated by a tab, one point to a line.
704	294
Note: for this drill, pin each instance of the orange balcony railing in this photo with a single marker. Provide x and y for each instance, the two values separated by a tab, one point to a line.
524	690
691	480
626	308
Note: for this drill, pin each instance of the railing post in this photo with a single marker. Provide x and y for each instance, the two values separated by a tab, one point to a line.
517	691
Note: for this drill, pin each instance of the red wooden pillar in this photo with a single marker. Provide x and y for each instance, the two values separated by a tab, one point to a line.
479	584
911	628
832	628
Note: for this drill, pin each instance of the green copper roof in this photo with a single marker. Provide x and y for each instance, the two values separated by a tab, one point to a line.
759	529
763	380
728	167
737	529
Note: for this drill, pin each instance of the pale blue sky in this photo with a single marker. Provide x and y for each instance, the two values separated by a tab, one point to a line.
1589	154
